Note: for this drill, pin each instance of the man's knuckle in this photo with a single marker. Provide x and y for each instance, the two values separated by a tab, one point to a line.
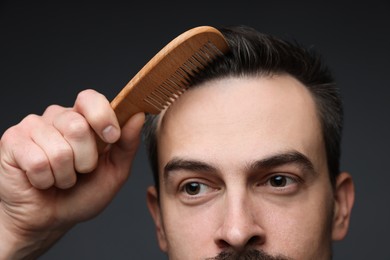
77	128
37	164
62	155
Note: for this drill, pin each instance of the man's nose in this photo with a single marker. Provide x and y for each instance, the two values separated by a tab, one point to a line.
240	223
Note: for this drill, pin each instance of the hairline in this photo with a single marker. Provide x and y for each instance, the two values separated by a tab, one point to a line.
157	119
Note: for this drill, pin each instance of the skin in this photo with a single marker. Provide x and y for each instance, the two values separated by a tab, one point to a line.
242	165
52	177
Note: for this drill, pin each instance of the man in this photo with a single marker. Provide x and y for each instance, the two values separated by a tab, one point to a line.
246	162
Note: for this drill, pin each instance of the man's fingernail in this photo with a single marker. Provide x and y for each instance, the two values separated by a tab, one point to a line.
110	134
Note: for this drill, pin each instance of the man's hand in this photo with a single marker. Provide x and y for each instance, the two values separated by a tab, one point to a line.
51	175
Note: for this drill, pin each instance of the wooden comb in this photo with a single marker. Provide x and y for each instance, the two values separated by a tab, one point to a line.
166	76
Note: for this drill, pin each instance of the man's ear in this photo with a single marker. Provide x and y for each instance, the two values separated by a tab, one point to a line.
344	197
155	211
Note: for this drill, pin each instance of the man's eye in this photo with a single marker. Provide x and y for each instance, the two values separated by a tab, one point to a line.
195	188
280	181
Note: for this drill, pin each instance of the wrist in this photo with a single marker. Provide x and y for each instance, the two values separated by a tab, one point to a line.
15	245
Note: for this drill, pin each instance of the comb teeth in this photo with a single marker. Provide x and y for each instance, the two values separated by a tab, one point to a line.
167	92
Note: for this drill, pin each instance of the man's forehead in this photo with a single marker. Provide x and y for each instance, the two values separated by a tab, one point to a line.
235	120
228	97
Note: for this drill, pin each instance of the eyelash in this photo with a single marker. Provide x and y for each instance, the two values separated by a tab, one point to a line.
202	184
290	182
285	178
184	186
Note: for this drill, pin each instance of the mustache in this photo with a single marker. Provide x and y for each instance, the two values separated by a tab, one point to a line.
249	254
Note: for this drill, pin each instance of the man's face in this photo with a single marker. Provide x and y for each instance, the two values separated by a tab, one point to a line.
242	165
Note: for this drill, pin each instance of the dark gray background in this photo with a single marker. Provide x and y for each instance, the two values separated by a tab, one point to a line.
49	51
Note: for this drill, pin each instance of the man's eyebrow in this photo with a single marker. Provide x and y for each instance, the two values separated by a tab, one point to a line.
279	159
275	160
187	164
